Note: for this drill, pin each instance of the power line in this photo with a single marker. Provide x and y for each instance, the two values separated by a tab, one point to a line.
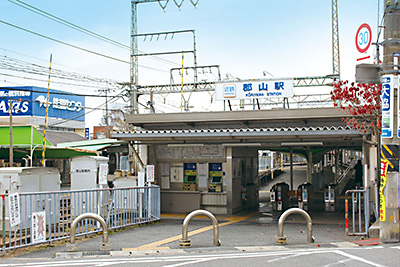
74	46
52	92
79	28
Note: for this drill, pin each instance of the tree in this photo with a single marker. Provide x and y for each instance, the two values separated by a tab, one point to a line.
363	102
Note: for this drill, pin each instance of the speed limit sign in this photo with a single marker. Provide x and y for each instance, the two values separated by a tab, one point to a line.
363	38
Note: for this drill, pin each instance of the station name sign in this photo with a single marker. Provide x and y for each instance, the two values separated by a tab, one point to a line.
254	89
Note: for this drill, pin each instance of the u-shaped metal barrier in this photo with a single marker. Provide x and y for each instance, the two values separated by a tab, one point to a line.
104	246
185	242
281	239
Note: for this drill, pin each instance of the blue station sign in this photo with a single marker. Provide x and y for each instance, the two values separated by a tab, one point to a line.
254	89
31	101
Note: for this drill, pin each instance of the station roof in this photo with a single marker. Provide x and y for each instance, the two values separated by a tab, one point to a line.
318	129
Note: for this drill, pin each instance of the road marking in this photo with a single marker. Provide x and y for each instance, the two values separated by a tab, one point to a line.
156	245
337	263
290	256
190	258
353	257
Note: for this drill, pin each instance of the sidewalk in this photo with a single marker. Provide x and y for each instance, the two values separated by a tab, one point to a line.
247	231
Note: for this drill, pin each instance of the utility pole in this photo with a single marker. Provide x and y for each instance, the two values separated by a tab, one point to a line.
11	157
107	122
389	182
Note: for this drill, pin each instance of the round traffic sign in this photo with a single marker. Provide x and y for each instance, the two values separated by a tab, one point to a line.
363	38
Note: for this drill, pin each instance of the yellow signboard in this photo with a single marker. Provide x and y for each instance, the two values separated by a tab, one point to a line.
382	202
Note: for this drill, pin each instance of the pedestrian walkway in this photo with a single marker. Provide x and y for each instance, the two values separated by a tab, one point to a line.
245	231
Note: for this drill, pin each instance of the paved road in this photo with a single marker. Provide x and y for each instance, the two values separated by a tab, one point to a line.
271	256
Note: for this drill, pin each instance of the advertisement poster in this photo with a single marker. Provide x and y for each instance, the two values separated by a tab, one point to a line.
14	208
38	227
387	106
382	201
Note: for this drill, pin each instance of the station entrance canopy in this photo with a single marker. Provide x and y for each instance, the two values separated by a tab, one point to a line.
317	129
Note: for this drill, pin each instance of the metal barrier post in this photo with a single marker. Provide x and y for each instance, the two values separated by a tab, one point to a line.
105	245
281	239
185	242
357	208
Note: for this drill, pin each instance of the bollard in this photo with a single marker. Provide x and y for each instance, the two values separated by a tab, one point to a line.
185	242
104	246
281	239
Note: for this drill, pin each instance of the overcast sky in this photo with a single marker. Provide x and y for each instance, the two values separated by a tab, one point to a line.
290	38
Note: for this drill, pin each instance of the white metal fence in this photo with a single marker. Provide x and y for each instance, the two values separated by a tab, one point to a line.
357	213
33	218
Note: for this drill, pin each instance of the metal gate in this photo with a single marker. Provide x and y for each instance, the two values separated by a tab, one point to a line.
358	214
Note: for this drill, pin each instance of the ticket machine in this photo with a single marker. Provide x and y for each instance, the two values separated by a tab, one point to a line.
215	177
190	176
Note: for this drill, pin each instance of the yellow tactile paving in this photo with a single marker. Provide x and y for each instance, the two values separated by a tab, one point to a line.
157	244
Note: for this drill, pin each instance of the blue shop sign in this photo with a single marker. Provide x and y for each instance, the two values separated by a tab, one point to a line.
31	101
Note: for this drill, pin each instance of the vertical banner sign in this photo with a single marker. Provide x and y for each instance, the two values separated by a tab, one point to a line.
382	201
103	172
87	134
387	99
14	208
150	173
38	231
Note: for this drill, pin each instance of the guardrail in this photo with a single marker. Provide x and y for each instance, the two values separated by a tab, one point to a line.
359	217
33	218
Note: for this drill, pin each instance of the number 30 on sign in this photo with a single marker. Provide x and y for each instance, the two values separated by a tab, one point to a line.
363	38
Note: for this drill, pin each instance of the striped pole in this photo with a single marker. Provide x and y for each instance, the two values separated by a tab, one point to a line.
346	215
45	117
182	102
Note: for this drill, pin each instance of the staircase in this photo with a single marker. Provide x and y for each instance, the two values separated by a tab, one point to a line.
345	174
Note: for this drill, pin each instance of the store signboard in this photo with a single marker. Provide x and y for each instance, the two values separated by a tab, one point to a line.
32	101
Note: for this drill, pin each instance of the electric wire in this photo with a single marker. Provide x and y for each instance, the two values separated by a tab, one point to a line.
75	46
79	28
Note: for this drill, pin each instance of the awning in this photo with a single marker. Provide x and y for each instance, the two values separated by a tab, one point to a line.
96	144
27	138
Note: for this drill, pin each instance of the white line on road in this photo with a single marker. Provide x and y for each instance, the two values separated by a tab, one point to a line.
181	260
291	256
353	257
337	263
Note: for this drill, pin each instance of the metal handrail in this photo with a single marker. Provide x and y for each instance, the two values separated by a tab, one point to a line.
346	171
357	211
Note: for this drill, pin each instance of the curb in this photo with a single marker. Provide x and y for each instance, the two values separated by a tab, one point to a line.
165	252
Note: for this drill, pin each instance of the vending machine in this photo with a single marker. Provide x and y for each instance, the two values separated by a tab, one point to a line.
215	177
190	177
